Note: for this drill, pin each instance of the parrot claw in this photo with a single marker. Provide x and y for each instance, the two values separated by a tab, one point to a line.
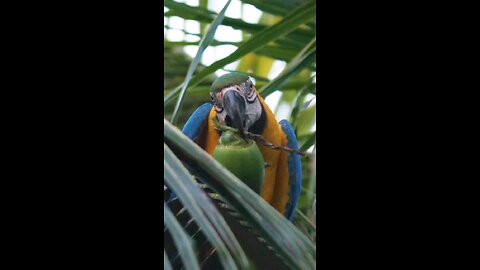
267	165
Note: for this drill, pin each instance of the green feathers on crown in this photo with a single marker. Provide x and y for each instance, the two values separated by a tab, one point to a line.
227	80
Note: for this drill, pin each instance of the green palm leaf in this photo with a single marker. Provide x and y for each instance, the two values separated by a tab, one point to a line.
201	208
297	17
288	241
207	39
181	240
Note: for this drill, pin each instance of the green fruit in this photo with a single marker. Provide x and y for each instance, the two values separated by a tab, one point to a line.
242	158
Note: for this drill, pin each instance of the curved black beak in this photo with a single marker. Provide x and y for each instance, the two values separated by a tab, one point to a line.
234	105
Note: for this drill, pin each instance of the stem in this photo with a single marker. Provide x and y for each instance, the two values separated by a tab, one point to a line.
257	138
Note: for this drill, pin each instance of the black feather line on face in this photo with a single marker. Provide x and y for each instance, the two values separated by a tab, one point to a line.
254	99
251	96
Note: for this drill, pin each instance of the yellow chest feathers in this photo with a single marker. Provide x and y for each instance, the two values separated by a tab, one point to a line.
275	188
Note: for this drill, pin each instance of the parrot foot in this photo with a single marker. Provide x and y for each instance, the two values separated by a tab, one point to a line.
267	165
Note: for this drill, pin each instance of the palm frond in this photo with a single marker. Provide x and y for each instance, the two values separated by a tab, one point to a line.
297	250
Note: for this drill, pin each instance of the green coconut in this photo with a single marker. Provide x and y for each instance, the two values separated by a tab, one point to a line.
242	158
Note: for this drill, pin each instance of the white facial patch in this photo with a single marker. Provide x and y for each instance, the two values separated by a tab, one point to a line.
253	112
221	117
253	109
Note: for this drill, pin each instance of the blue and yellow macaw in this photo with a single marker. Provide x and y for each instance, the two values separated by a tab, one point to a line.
236	103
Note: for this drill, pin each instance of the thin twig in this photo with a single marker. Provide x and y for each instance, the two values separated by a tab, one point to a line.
258	138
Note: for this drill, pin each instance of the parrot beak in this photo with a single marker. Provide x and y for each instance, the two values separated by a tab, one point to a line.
234	105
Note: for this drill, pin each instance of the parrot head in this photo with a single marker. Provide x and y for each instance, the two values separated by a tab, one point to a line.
236	102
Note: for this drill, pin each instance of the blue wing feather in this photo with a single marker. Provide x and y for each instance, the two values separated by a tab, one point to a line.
294	170
195	123
192	129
